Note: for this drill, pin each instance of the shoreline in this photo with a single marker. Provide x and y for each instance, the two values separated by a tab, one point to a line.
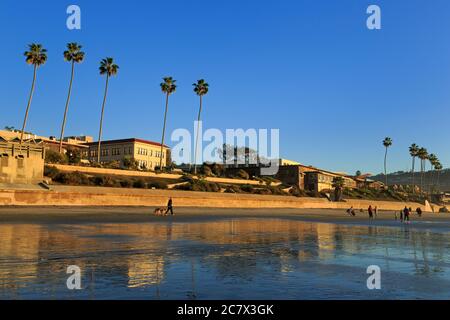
126	214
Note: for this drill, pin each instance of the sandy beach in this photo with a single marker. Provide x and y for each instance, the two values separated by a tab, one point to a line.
74	215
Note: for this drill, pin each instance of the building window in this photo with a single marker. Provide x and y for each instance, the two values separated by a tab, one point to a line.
142	151
104	152
115	151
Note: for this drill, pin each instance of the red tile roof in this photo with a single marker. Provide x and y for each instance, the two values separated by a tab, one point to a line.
130	140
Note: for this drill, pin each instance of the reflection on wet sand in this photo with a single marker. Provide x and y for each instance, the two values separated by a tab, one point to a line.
33	258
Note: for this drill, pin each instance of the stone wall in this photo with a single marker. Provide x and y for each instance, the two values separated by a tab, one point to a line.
96	196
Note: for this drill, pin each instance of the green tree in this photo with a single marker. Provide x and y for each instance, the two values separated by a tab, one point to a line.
358	173
73	54
36	56
200	88
168	87
108	67
338	184
387	142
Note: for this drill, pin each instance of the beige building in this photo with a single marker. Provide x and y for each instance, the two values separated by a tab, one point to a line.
21	164
146	153
323	180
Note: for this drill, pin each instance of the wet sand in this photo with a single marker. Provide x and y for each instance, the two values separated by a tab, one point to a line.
73	215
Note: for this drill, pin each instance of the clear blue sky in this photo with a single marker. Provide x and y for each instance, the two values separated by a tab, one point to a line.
310	68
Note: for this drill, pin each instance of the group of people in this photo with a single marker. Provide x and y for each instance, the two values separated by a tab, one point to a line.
373	213
406	213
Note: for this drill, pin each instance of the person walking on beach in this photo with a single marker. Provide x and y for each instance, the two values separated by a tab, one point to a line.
401	215
370	211
169	207
406	214
375	212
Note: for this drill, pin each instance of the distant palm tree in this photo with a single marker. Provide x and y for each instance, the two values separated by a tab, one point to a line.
413	149
168	87
200	88
387	142
438	168
338	184
423	156
432	158
74	55
108	67
37	56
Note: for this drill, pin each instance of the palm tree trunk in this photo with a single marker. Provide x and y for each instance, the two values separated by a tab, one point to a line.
196	138
421	176
413	163
438	181
28	106
163	132
67	108
101	119
385	171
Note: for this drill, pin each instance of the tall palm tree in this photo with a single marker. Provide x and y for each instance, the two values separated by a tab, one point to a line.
37	56
200	88
413	149
108	67
438	168
74	55
168	87
423	156
432	158
387	142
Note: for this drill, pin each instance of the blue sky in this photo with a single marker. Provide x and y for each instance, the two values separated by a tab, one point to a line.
310	68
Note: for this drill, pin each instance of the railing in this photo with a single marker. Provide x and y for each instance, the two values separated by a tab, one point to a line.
14	149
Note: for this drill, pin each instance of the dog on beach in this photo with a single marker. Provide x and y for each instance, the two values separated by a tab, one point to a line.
160	212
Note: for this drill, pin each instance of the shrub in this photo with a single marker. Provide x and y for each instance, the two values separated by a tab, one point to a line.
130	163
247	188
51	171
139	184
112	165
157	185
206	170
242	174
233	189
217	169
126	183
73	156
72	178
52	156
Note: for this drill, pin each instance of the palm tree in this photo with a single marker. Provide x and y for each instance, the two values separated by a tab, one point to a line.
37	56
387	142
438	168
200	88
74	55
108	67
413	149
432	159
338	183
423	156
168	87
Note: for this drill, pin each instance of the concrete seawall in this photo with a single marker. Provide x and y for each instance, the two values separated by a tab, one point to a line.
97	196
